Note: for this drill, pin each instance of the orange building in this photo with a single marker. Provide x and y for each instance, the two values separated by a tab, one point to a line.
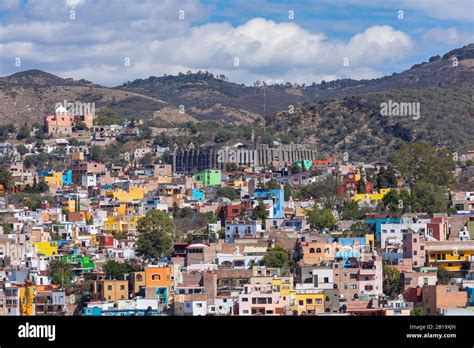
157	276
323	162
60	123
314	252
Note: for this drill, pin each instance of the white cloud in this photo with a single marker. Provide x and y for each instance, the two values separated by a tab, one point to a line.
9	5
448	36
95	44
462	10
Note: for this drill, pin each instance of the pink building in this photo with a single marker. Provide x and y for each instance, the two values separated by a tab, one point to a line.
261	300
370	277
414	248
60	123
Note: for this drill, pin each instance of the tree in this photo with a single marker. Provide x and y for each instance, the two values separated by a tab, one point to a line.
391	281
260	212
350	210
116	270
363	186
386	178
272	185
423	162
5	177
157	231
226	191
23	133
287	192
418	311
60	273
5	226
324	190
80	126
96	153
147	159
21	149
360	226
276	257
320	218
429	198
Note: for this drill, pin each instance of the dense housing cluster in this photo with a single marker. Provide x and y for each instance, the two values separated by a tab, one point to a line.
292	236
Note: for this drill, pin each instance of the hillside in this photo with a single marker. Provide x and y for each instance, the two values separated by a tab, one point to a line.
30	95
356	126
339	116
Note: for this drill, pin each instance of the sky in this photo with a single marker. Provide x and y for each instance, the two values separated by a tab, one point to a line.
110	42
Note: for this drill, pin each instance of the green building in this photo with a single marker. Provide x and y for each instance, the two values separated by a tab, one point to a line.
211	177
304	164
78	262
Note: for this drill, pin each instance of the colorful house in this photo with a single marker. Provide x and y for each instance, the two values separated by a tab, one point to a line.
211	177
79	263
304	164
370	197
450	255
119	224
278	197
158	282
67	177
46	248
197	194
309	302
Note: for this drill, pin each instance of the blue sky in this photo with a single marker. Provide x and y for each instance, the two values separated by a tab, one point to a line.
113	41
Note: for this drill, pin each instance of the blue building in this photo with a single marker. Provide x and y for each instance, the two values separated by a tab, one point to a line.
67	177
376	225
197	194
470	296
278	197
297	224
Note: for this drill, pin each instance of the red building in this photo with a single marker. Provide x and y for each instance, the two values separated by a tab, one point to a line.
105	240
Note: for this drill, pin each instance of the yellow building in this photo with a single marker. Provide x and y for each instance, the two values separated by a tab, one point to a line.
69	205
46	248
55	179
133	194
372	197
309	302
27	300
450	255
283	285
119	224
110	290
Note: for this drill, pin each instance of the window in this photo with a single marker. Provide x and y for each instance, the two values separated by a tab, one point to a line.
311	251
122	287
326	280
318	250
300	302
245	299
109	287
155	276
309	301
